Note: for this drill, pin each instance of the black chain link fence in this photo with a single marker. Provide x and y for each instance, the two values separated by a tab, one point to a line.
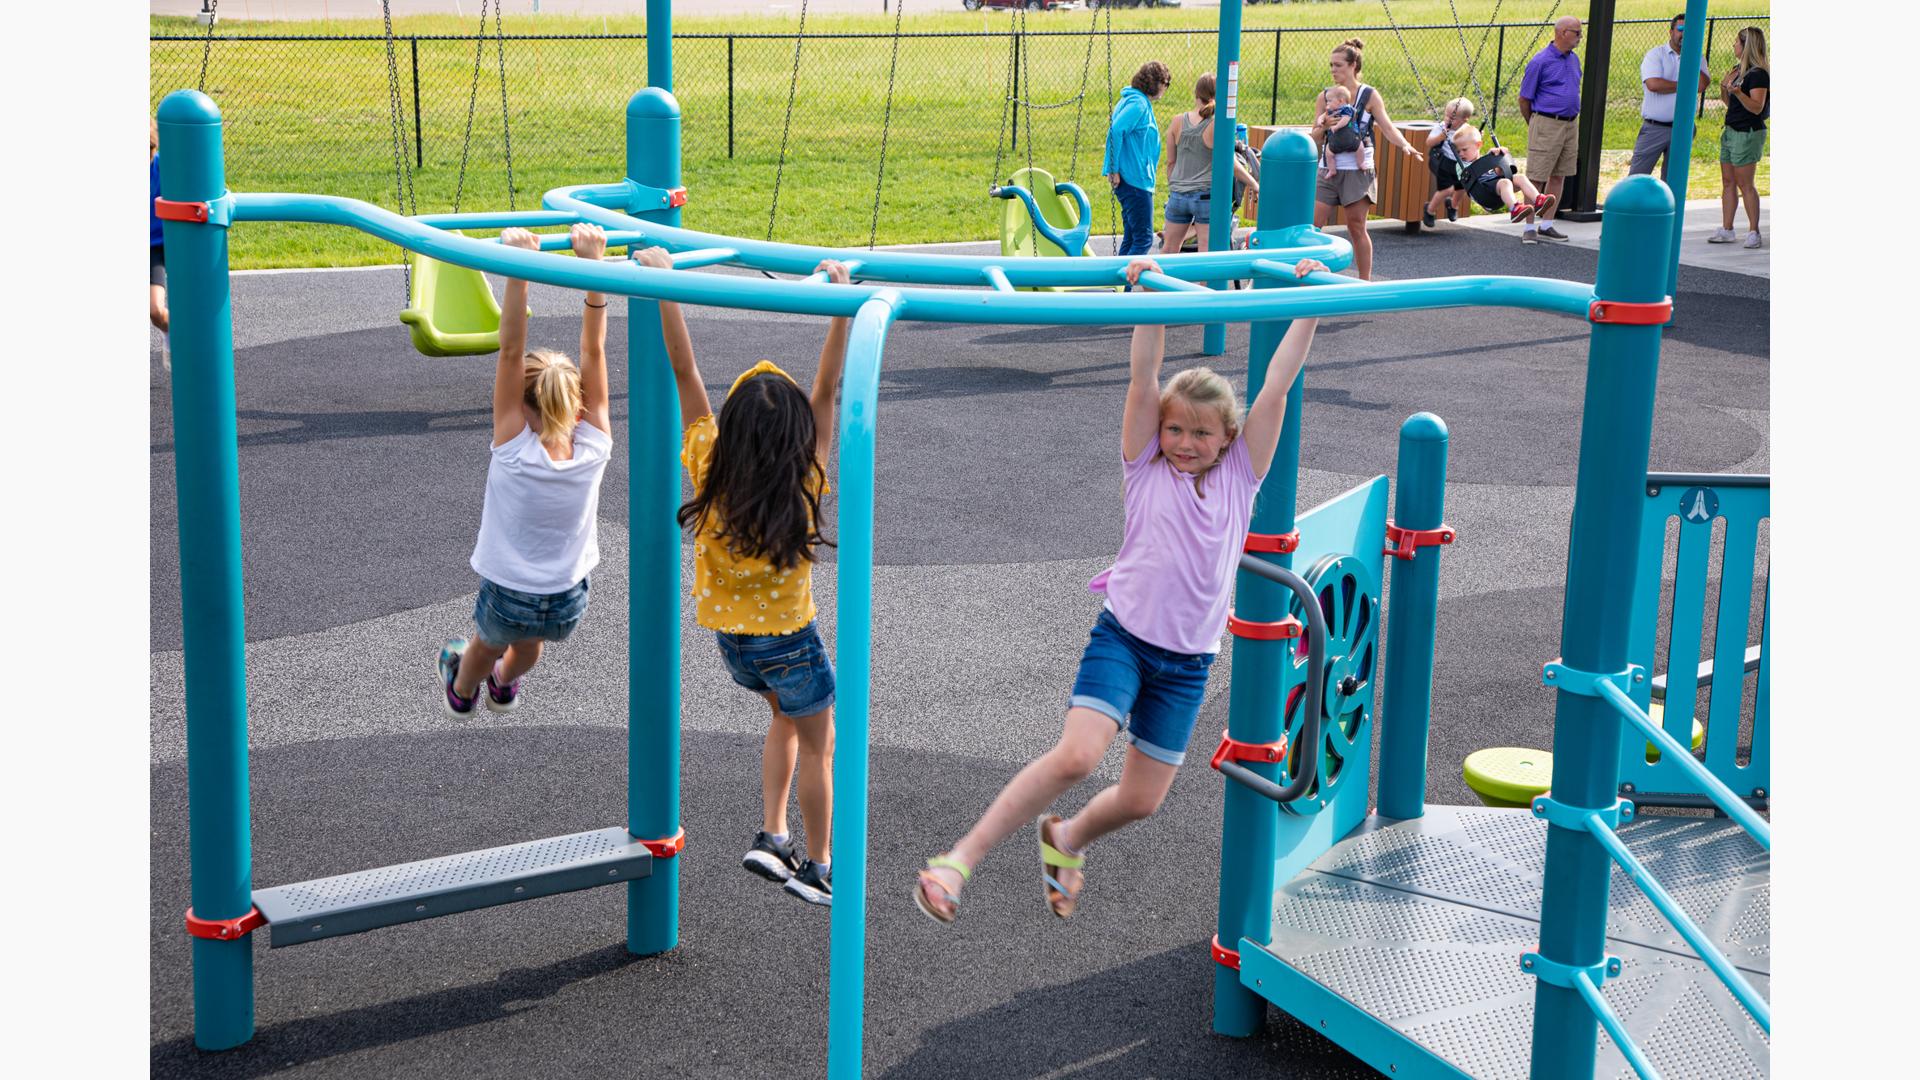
312	114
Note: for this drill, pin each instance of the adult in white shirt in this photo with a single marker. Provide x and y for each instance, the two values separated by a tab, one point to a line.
1660	74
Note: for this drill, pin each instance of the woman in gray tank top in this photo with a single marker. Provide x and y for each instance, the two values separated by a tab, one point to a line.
1189	155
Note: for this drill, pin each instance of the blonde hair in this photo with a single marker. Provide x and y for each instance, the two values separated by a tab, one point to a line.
1336	88
1459	105
553	391
1466	135
1204	388
1754	53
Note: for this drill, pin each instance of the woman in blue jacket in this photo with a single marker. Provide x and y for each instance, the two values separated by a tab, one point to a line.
1133	154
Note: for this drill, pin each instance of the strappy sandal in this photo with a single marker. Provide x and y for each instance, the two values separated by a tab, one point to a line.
927	878
1060	899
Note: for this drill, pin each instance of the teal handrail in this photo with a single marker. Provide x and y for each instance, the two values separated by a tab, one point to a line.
1722	795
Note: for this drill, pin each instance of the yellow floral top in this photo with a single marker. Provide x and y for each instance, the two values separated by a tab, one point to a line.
734	594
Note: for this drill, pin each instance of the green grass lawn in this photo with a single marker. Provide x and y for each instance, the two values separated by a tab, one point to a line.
313	115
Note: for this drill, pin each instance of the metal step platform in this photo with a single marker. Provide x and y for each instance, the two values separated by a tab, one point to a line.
1402	944
390	895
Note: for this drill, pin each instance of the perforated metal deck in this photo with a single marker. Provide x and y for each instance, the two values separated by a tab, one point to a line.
409	892
1403	944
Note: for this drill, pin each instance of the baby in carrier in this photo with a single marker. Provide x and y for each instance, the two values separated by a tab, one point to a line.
1344	134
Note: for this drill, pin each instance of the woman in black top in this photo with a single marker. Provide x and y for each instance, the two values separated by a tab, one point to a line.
1744	139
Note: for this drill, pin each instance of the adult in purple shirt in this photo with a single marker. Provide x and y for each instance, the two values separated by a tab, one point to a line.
1550	104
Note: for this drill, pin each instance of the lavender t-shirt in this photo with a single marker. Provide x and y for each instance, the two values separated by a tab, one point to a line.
1172	583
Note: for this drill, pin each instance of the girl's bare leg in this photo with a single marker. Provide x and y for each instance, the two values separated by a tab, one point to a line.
479	657
1174	237
777	757
815	774
1143	786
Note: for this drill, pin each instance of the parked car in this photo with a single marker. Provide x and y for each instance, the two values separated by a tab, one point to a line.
1030	5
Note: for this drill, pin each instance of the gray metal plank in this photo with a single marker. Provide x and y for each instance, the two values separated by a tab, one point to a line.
408	892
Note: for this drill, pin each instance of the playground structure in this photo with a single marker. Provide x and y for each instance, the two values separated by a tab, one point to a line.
1300	728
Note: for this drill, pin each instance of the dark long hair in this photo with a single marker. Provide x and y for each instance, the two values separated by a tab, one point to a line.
761	483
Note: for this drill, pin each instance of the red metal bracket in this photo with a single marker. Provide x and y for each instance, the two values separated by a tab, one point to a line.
1274	543
668	848
1402	542
1224	955
1655	313
169	210
225	929
1288	627
1231	749
677	196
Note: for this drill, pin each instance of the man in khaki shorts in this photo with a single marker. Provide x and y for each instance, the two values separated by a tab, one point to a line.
1550	103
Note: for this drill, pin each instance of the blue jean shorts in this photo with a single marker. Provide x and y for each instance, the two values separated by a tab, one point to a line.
1154	694
504	616
1189	207
793	666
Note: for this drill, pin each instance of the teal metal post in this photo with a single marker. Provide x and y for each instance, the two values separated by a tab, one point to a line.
207	474
1616	430
853	689
1419	497
1226	76
653	555
1680	152
1250	822
660	49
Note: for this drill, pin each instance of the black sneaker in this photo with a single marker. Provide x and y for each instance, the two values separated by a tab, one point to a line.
1453	212
812	884
457	707
1426	217
501	699
775	862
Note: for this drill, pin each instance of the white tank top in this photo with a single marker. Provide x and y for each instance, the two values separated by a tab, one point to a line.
538	525
1363	126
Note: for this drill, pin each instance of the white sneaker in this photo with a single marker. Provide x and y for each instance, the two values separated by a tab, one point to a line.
1753	240
1721	236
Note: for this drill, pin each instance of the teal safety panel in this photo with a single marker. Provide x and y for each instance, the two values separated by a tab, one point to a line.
1697	503
409	892
1341	554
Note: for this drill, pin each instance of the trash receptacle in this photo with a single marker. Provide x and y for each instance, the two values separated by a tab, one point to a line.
1402	181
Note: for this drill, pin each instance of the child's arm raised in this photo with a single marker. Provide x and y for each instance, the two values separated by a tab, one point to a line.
590	242
833	359
686	374
509	374
1269	411
1140	422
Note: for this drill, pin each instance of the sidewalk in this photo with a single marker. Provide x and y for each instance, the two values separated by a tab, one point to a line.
1703	217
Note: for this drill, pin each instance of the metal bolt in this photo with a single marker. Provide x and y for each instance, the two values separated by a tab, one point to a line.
1651	490
1323	1023
1759	793
1639	676
1628	788
1550	673
419	907
1528	964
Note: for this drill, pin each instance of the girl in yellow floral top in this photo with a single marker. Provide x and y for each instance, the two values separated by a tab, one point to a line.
758	472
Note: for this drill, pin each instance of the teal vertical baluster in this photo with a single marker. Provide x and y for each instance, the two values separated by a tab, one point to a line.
1616	430
853	690
1249	821
1213	339
653	554
1680	151
1419	498
207	474
660	47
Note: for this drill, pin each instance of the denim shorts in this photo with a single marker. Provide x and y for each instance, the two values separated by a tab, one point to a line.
1154	694
1189	207
505	615
793	666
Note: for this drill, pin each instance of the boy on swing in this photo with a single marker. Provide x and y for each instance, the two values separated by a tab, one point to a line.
1489	180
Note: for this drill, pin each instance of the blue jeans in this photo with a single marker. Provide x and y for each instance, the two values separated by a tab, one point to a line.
1189	208
503	616
1154	694
793	666
1136	220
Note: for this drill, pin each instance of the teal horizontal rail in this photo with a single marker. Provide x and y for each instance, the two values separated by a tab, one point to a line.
500	219
1722	795
1611	1021
975	305
1741	989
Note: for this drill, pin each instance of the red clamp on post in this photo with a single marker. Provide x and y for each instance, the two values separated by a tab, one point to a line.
1288	627
1402	542
1224	955
1626	313
677	196
225	929
668	848
170	210
1274	543
1231	749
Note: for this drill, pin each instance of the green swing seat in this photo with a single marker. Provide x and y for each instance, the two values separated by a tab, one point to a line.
451	310
1019	238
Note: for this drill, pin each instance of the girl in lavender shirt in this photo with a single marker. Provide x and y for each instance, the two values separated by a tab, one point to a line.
1192	471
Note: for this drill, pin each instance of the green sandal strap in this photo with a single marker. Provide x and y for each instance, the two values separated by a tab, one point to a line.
1053	856
948	862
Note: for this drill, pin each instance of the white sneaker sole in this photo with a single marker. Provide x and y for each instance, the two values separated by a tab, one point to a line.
767	866
486	696
808	893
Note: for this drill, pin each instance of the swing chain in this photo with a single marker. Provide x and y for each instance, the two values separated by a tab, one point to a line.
402	168
206	52
506	128
1387	7
886	125
786	126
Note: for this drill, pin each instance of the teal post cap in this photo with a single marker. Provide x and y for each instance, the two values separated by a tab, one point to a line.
1642	195
1424	427
188	107
1290	146
653	103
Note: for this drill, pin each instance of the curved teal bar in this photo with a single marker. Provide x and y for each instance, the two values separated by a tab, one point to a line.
853	689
